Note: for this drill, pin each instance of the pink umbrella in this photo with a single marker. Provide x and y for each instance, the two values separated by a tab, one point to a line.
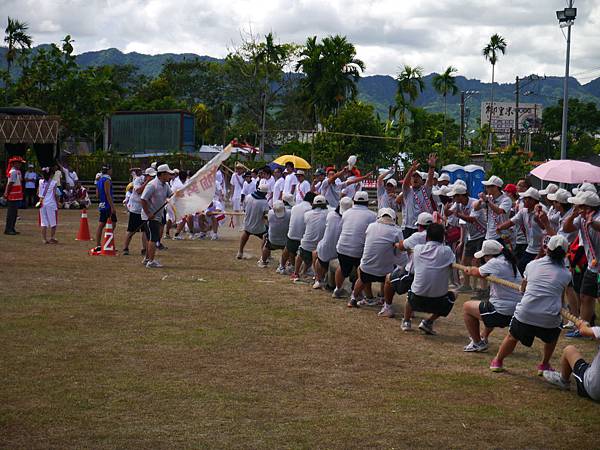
567	171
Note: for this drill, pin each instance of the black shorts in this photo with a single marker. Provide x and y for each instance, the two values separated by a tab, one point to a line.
105	214
164	217
473	246
492	318
368	278
270	246
578	278
589	284
407	232
258	235
519	250
347	264
578	370
323	264
292	245
432	305
152	228
525	333
135	222
401	280
306	256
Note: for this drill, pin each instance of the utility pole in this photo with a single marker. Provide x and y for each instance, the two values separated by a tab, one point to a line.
517	111
462	120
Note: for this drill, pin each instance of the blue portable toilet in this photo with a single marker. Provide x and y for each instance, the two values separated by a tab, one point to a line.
475	176
455	172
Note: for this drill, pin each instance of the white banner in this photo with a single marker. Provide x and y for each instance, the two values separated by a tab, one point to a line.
503	116
198	192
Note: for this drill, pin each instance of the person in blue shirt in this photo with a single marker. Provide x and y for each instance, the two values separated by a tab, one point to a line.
106	207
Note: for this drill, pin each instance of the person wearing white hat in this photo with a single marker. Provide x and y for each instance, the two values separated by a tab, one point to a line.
290	180
443	179
386	190
237	184
498	311
48	202
416	195
585	219
550	189
31	180
278	220
295	232
538	313
497	204
314	229
379	256
326	248
134	206
528	219
153	199
351	243
401	278
302	187
254	220
584	187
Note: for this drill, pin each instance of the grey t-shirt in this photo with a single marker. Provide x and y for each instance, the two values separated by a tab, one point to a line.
278	227
591	377
503	298
380	255
314	228
384	200
418	238
256	208
156	193
431	264
331	192
542	299
594	240
414	202
354	224
333	227
477	229
134	204
297	226
526	222
493	219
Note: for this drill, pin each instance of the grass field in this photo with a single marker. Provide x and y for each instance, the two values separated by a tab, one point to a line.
211	352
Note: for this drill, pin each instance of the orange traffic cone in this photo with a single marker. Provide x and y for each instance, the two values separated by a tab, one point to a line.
84	230
108	243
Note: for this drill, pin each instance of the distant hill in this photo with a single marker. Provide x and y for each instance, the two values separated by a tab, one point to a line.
379	90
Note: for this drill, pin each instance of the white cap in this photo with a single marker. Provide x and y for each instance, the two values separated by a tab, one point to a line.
585	187
153	165
361	196
263	187
442	190
289	198
164	168
150	171
424	219
490	247
550	189
423	175
279	209
176	171
352	161
560	196
457	188
345	204
391	181
585	198
530	193
436	175
386	212
460	182
493	181
319	200
444	177
300	172
558	241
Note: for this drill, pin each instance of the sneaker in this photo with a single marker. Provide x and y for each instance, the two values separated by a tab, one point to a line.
556	379
386	311
483	345
496	366
473	347
262	264
568	326
125	251
160	246
317	285
153	264
406	325
280	270
575	334
352	303
427	327
310	272
294	276
543	367
214	237
239	255
177	237
145	261
464	288
339	293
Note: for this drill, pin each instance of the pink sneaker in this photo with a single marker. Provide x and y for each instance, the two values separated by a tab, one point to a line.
542	367
496	366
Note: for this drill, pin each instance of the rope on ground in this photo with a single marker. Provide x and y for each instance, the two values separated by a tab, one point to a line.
492	279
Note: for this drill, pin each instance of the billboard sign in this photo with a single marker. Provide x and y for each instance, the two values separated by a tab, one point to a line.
503	116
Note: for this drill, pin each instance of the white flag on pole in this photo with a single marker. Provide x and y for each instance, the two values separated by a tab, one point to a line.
198	192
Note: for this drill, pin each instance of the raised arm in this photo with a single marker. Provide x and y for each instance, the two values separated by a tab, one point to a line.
409	174
359	179
432	160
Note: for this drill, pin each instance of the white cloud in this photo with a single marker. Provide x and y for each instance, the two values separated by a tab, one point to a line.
387	33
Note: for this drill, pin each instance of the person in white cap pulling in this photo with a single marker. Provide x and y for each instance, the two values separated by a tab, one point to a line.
351	243
498	311
326	248
257	207
295	233
379	256
153	199
586	220
314	229
416	195
278	220
538	313
497	204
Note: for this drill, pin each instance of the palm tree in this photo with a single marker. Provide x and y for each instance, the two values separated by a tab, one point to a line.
16	39
491	52
410	85
443	84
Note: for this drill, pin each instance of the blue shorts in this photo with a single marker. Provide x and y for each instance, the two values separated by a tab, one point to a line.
105	214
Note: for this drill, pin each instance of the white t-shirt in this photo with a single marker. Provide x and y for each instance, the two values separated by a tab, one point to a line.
493	219
525	220
414	202
297	226
418	238
278	188
255	212
237	181
47	190
591	377
354	225
350	189
249	188
431	264
278	227
176	184
290	180
477	229
314	228
333	227
134	203
30	180
503	298
542	299
384	200
331	192
301	190
592	237
380	255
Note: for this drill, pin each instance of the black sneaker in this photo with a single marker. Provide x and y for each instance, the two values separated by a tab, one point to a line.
160	246
352	303
125	251
11	233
